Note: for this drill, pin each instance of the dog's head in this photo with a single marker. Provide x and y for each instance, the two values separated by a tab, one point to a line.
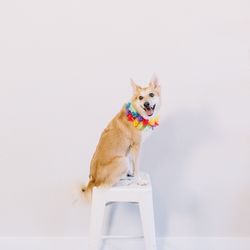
146	100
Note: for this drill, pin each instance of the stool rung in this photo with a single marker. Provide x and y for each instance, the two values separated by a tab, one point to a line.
114	237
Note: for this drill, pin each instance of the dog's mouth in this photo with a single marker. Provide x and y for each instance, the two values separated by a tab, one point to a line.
149	110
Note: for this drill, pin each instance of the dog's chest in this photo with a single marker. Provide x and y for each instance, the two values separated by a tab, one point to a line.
141	135
146	133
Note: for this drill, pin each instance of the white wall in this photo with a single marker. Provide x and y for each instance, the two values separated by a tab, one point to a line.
64	72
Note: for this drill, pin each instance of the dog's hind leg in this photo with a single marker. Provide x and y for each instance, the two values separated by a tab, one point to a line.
112	172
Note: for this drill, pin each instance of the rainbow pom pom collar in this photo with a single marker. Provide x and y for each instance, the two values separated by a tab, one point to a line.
138	121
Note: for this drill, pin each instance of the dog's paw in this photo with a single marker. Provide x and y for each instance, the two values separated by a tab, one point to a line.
141	182
126	181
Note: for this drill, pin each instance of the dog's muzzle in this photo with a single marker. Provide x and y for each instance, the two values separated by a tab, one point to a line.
149	109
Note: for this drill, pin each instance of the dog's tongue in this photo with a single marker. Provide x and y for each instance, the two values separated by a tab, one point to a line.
149	112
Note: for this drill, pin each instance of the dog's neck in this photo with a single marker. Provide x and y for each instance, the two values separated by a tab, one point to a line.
139	121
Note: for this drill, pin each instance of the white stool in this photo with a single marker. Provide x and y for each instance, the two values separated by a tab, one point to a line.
123	193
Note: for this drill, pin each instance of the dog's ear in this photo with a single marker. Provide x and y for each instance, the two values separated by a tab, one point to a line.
154	83
134	85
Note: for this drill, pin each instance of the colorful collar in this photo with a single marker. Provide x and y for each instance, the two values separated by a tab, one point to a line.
139	121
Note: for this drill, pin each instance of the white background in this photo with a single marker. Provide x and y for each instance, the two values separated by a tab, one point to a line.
64	73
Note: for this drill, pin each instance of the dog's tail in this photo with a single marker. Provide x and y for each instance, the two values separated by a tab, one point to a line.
87	190
82	193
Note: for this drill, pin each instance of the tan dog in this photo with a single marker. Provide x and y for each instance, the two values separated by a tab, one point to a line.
123	136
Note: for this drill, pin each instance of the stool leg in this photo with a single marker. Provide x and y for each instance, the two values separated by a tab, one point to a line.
96	221
147	218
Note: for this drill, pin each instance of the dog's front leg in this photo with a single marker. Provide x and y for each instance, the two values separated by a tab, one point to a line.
135	152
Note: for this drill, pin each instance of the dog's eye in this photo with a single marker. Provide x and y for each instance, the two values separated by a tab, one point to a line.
151	95
140	97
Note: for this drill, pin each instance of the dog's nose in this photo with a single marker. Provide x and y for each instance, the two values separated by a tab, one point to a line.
146	104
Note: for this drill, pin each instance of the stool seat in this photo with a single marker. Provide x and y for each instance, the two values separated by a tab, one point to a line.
125	191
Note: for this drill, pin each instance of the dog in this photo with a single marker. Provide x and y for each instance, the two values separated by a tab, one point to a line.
122	138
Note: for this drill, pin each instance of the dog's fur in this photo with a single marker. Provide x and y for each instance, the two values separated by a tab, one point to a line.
121	138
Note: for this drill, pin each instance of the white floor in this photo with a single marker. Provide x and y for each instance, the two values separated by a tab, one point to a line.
172	243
